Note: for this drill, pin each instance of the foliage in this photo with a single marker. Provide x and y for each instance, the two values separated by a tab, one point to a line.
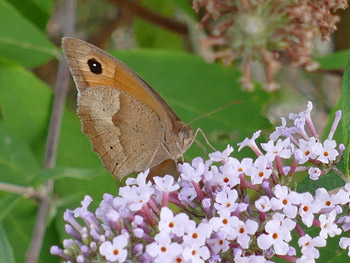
190	85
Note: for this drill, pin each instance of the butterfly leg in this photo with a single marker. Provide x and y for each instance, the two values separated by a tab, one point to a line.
205	138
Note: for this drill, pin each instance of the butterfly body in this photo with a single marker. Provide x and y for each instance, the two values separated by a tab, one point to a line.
130	125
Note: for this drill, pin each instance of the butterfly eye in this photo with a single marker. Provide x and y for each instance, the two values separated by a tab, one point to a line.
95	66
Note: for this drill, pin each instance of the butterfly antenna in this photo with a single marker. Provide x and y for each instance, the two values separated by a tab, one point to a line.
216	110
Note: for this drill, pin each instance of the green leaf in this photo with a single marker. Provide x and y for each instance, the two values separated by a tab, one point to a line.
6	251
19	227
329	181
193	87
7	203
21	41
345	105
336	60
61	172
25	103
37	11
17	162
149	35
186	7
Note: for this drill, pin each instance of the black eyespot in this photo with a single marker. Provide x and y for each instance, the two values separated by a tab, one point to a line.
95	66
111	147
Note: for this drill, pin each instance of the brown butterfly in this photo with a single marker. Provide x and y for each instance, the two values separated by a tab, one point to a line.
129	124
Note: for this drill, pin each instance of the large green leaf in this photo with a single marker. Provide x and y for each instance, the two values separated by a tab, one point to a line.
17	162
25	103
193	87
37	11
62	172
19	227
6	251
336	60
20	40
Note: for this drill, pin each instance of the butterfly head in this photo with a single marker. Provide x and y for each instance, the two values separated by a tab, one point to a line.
186	137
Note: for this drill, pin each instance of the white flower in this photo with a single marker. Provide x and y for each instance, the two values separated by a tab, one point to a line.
286	200
196	253
260	170
140	180
172	224
192	172
218	243
345	243
263	204
166	183
225	200
326	152
225	223
283	149
308	245
115	251
308	207
276	236
163	250
344	196
221	156
328	227
196	234
243	231
250	142
228	175
325	200
314	173
306	147
282	131
243	166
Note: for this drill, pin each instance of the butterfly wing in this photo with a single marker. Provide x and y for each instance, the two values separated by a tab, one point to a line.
132	128
126	134
111	72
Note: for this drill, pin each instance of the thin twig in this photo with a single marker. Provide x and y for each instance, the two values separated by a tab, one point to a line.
52	140
27	192
152	17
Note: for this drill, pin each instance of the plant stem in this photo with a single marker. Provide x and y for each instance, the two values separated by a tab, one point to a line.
152	17
52	139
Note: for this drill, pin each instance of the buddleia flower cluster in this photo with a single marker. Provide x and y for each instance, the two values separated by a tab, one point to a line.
266	31
222	209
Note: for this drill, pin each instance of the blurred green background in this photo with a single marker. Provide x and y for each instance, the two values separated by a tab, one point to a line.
167	58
